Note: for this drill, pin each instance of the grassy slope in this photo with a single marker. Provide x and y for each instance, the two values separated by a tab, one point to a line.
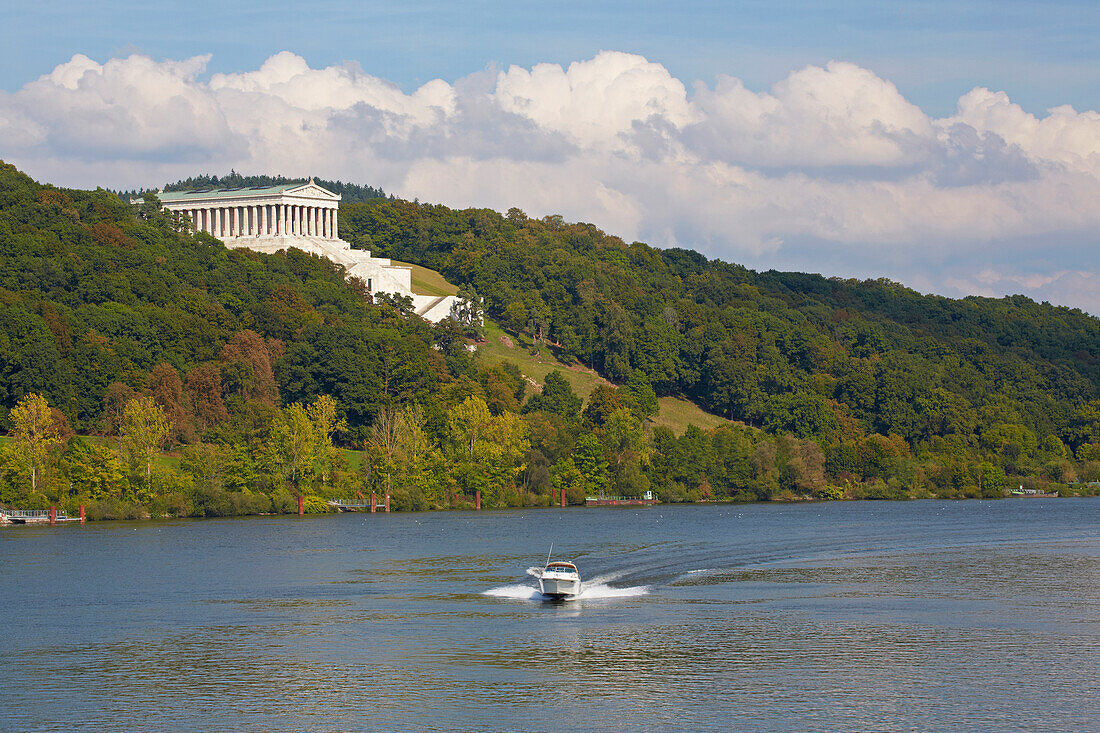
676	413
427	282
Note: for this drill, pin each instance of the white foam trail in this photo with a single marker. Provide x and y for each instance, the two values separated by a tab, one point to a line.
594	590
515	592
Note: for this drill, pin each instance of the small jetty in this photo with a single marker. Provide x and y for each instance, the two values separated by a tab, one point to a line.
645	499
49	516
360	504
1023	493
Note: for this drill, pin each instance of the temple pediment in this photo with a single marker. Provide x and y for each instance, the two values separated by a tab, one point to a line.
313	191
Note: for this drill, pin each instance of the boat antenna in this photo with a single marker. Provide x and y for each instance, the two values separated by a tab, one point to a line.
550	553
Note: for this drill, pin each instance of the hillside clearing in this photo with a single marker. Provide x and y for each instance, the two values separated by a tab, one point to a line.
675	413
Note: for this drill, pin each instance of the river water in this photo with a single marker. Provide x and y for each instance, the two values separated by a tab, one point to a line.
884	616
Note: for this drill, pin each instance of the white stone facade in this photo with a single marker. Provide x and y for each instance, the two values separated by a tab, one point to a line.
303	216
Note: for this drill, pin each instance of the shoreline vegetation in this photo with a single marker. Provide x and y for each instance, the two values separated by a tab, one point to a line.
147	370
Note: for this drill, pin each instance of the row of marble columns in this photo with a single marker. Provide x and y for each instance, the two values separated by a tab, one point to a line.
266	220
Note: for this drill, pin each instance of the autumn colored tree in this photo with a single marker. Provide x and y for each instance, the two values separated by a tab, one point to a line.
114	407
145	428
167	388
204	391
34	433
248	359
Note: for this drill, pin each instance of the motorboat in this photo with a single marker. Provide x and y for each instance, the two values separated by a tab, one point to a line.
560	580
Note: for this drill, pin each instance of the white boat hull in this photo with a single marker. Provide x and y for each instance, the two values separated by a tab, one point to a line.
559	587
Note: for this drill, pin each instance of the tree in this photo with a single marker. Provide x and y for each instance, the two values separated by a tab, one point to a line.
249	358
167	388
322	413
114	407
145	428
94	470
590	462
34	433
490	450
403	304
294	443
603	401
468	424
514	316
204	390
151	209
384	437
807	466
557	396
468	311
639	397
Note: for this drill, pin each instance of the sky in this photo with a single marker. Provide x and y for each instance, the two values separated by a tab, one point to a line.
951	146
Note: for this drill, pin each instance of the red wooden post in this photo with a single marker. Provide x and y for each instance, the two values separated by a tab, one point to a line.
373	503
387	503
53	515
562	494
82	514
301	506
555	499
477	500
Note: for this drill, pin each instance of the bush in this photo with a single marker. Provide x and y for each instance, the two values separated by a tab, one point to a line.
314	504
115	509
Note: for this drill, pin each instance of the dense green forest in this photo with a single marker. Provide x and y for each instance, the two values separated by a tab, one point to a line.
145	370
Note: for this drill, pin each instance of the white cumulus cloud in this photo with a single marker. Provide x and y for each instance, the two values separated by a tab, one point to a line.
832	169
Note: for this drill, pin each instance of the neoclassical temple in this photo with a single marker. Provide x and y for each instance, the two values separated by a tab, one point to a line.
299	215
291	209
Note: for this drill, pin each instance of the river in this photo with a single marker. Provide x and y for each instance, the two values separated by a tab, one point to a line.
847	616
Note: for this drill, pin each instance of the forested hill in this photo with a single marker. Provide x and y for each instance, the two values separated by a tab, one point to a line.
201	380
785	351
92	295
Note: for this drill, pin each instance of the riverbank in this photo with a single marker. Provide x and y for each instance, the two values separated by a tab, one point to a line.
247	504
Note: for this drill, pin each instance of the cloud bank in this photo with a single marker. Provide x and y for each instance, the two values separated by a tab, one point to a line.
831	170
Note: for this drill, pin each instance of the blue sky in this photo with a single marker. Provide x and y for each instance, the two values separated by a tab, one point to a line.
1042	53
952	146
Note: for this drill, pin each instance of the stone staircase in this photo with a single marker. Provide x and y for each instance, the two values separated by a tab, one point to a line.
380	275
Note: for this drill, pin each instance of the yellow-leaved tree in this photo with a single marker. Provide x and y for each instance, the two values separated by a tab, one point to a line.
293	445
34	434
145	427
322	413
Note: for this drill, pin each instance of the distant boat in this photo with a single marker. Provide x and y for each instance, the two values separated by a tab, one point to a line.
645	499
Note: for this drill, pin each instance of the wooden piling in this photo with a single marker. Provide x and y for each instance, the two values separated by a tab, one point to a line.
562	495
477	500
554	500
301	506
387	503
82	514
373	503
53	516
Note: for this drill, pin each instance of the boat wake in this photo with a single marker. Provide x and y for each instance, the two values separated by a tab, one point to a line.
596	589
